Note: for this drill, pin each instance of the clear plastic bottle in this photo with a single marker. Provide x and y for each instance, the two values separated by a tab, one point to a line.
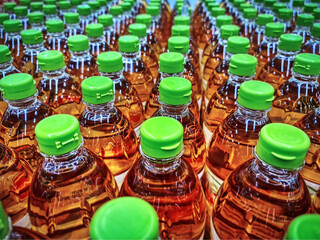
126	14
95	10
36	6
316	14
135	70
36	21
276	7
97	41
239	20
20	118
309	7
21	13
155	35
241	68
304	227
72	21
118	22
64	7
168	182
70	184
110	35
3	17
303	26
74	5
139	216
285	17
9	8
268	5
6	64
236	8
106	131
85	16
50	12
103	7
258	4
266	190
301	93
25	3
248	24
313	45
278	70
81	64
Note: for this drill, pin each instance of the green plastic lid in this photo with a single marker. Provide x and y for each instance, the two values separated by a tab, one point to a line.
97	90
94	30
182	20
258	1
305	20
161	137
76	2
36	17
11	26
238	44
5	54
71	18
4	223
144	19
175	91
223	20
178	44
243	6
217	11
126	6
243	65
285	13
64	5
21	11
106	20
263	19
171	62
250	13
237	3
84	10
50	9
290	42
309	7
315	30
212	5
55	26
109	62
58	134
282	145
94	5
274	29
307	64
32	36
78	43
315	1
255	95
298	3
50	2
316	13
277	6
304	227
180	30
125	218
128	44
153	10
50	60
17	86
9	6
116	10
103	3
3	17
138	29
25	3
269	3
36	6
227	31
284	1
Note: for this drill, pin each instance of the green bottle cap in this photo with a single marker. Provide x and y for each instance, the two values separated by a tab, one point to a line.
282	145
315	1
17	86
227	31
50	9
237	3
4	223
36	6
106	20
171	62
126	6
9	6
277	6
58	134
250	13
175	91
116	10
178	44
244	6
153	10
274	29
50	60
94	5
269	3
109	62
125	218
50	2
64	5
138	29
37	1
32	36
316	13
94	30
21	11
217	11
223	20
304	227
76	2
255	95
103	3
284	1
161	137
128	44
97	90
84	10
144	19
309	7
25	3
315	30
78	43
182	20
5	54
285	13
290	42
4	17
307	64
180	30
213	5
258	1
298	3
11	26
305	20
236	45
71	18
243	65
55	26
36	17
263	19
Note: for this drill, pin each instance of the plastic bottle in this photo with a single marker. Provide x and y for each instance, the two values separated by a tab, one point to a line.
304	227
6	66
258	4
301	93
256	37
103	7
64	7
268	5
21	13
96	39
74	5
85	16
9	8
238	20
36	7
313	45
309	7
248	23
236	8
135	70
276	7
3	17
241	68
110	35
155	35
139	217
126	14
95	9
303	26
72	21
81	64
23	113
70	184
50	12
36	21
118	23
285	17
25	3
166	181
316	14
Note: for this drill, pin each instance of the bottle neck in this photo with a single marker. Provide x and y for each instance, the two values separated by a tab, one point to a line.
131	55
58	35
72	26
23	103
251	115
286	54
248	22
11	35
81	54
99	108
85	18
108	29
38	25
5	66
56	74
99	40
180	110
302	29
223	42
315	39
272	40
34	47
238	79
143	41
260	29
164	75
114	76
305	78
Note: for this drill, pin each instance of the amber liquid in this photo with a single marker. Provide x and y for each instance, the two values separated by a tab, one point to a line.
266	52
97	47
208	30
255	40
165	23
71	31
252	204
112	40
16	47
149	58
207	51
154	39
19	233
311	47
65	194
175	193
59	44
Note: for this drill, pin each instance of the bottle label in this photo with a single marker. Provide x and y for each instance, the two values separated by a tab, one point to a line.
207	134
213	234
313	187
214	183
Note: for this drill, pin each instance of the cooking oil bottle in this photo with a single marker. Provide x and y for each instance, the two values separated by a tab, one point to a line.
126	14
260	193
70	184
6	63
36	21
96	39
313	45
50	12
118	23
64	7
75	4
21	13
3	17
110	35
248	24
303	26
167	181
285	17
36	7
300	94
85	16
304	227
9	8
13	40
72	21
95	9
155	35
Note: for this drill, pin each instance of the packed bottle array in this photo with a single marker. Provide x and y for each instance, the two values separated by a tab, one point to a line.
128	120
